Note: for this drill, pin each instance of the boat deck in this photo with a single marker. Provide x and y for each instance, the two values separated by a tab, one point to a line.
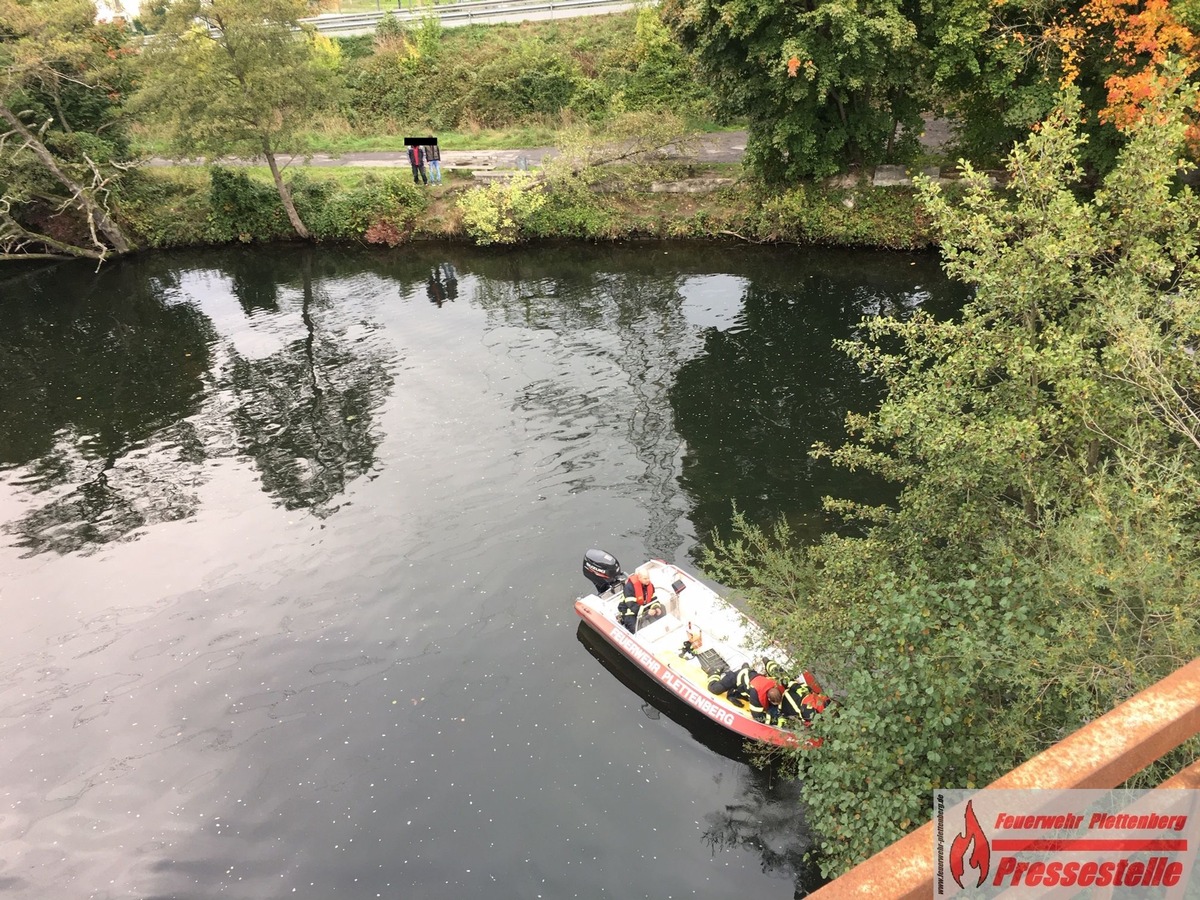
722	628
729	639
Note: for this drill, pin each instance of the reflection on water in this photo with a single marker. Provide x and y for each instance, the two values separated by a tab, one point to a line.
658	699
770	381
443	284
764	816
764	819
118	397
290	537
305	413
97	384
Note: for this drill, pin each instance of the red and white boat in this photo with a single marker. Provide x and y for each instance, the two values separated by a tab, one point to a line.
721	636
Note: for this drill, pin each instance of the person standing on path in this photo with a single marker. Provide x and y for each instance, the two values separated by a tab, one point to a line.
416	158
434	154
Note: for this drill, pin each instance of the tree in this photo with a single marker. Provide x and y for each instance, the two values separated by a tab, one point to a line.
1114	52
824	85
229	76
61	145
1041	562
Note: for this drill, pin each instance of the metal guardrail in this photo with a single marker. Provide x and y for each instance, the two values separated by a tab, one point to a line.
452	13
1101	755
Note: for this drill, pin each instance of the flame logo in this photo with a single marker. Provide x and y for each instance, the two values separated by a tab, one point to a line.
981	853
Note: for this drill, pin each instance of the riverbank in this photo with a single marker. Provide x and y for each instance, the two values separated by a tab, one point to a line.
703	192
208	206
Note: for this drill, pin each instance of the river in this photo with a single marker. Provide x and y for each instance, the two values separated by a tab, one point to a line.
289	539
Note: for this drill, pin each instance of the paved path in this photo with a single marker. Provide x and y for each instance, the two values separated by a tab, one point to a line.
725	146
718	147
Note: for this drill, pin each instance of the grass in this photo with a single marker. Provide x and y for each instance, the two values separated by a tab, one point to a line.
173	210
516	138
336	142
598	45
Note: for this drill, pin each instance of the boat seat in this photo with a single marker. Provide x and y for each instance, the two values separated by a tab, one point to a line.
659	629
670	600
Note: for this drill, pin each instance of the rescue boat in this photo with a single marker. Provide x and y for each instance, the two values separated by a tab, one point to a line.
698	635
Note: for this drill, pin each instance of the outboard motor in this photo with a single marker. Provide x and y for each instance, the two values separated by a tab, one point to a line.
602	570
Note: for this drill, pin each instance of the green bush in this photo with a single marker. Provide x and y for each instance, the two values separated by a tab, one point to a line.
336	212
502	76
162	211
663	74
868	217
175	208
571	211
501	213
242	209
533	79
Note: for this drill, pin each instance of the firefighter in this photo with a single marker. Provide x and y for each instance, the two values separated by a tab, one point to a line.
802	700
815	702
792	706
765	696
775	670
638	592
733	683
746	684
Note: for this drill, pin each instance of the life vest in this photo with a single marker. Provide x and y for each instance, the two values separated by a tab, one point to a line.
639	588
811	705
759	685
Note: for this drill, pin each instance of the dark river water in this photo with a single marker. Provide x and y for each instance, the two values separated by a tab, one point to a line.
289	540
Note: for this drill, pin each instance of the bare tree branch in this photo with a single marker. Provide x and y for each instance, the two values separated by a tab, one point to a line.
81	198
15	237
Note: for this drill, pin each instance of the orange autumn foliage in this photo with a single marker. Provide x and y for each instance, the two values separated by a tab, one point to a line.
1136	38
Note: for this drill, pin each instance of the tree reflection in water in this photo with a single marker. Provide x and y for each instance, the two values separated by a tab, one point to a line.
98	407
768	820
110	405
116	397
306	413
633	316
771	383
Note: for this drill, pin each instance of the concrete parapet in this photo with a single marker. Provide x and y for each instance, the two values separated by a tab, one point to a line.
490	175
890	176
690	186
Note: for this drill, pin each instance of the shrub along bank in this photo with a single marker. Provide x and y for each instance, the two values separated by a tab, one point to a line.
187	206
